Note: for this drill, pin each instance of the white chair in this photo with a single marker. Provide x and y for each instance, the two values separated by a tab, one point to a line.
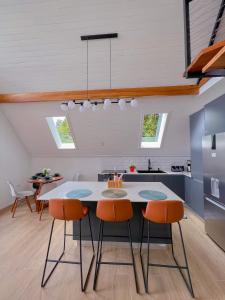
76	177
19	195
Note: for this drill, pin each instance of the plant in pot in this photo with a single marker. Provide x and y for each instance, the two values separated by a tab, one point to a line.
132	168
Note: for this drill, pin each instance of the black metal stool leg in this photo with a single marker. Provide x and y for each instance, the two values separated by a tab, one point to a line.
43	283
81	261
190	287
64	241
146	283
132	255
97	258
171	236
89	221
140	252
141	235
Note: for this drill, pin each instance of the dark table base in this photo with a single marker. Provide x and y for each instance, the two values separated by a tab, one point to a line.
160	233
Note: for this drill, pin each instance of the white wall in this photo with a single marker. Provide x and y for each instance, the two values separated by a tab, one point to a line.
14	160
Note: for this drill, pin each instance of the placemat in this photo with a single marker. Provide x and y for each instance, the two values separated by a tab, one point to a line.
114	193
79	193
152	195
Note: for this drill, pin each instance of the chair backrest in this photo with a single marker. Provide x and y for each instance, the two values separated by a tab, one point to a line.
76	177
114	210
66	209
12	189
164	211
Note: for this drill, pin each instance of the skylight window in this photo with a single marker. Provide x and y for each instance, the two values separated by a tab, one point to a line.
61	133
153	129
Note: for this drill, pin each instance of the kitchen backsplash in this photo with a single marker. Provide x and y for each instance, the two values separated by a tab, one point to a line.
163	163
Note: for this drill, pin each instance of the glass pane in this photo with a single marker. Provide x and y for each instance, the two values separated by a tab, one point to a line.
61	133
63	130
150	125
153	129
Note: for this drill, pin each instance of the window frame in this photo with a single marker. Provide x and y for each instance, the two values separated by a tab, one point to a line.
161	132
56	136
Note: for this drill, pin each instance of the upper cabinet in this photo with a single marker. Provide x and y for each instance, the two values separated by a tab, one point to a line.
214	116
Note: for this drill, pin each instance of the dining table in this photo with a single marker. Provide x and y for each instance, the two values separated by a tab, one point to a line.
139	193
38	184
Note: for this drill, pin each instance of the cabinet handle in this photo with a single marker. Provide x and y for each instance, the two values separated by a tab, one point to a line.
215	203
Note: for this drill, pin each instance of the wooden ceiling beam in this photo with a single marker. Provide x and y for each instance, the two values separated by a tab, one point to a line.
100	94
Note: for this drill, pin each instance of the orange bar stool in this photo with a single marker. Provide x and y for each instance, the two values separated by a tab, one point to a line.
114	211
68	210
165	212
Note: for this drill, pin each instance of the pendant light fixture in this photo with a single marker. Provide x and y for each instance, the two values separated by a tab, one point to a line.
105	103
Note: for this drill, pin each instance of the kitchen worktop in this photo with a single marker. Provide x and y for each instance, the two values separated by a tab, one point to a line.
188	174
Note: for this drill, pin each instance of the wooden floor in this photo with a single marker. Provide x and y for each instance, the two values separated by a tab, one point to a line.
23	244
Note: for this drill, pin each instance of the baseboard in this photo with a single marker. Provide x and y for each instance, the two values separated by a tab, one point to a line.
5	209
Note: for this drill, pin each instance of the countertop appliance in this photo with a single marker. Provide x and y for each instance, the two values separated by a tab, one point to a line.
109	174
177	168
214	186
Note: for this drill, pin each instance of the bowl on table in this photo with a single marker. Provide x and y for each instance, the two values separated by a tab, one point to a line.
57	175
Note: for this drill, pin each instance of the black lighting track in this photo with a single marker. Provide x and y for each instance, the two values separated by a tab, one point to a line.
99	36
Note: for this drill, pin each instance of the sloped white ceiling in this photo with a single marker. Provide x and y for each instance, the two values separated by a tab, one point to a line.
104	133
40	47
203	14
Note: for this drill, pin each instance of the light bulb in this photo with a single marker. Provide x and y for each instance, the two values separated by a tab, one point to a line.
107	102
122	102
94	107
134	103
81	108
64	106
87	104
71	105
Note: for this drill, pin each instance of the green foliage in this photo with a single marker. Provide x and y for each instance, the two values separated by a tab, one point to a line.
64	131
150	125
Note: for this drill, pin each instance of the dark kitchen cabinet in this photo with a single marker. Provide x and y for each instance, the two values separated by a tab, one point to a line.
197	197
214	116
194	194
139	177
174	183
196	134
187	190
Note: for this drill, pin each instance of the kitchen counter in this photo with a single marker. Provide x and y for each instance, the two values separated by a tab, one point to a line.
160	233
188	174
175	181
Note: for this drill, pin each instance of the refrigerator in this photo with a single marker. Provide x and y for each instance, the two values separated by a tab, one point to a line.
214	186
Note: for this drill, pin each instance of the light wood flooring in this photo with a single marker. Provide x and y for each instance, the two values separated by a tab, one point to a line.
23	244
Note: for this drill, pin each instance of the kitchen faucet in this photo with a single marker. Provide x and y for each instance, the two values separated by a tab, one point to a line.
149	164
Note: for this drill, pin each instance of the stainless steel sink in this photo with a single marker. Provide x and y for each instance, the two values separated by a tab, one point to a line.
151	171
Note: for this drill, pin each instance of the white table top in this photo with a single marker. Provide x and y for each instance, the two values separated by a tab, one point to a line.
132	189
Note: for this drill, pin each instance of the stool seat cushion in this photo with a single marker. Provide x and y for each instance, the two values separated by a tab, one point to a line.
114	210
164	212
67	209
